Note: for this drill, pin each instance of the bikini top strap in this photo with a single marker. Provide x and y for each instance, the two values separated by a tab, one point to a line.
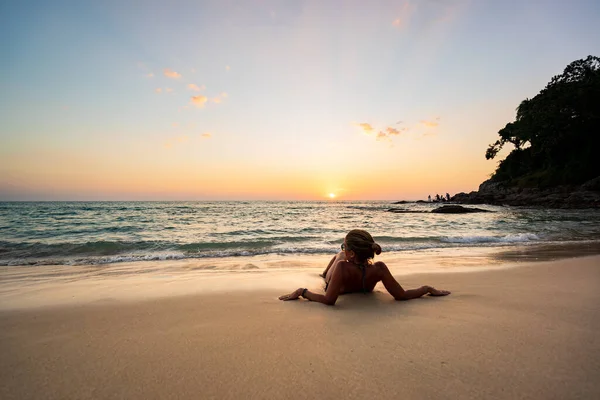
363	269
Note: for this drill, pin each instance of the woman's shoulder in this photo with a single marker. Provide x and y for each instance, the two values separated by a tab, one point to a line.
380	265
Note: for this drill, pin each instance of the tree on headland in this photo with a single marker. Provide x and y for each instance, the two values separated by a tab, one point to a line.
556	134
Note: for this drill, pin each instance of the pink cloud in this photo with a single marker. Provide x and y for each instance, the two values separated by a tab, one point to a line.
404	14
172	74
195	87
381	136
391	131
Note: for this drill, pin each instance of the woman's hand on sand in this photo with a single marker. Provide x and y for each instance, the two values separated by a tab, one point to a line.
292	296
436	292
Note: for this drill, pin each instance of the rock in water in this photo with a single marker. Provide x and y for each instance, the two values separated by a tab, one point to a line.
457	210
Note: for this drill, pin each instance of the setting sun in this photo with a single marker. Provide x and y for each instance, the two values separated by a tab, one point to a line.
332	195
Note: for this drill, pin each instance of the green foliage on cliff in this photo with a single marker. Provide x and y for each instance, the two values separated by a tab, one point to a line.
556	134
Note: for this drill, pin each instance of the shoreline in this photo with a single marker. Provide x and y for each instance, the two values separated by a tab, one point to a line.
24	287
525	332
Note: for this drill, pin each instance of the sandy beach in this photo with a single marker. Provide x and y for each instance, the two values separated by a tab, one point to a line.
525	332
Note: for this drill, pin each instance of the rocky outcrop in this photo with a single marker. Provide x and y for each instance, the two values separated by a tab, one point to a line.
442	210
499	193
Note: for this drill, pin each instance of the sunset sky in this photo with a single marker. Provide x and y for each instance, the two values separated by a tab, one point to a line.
273	100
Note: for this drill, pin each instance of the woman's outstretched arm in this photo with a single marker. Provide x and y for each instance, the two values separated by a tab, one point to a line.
330	296
394	288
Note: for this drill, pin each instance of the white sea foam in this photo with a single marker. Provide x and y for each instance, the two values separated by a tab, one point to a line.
111	232
515	238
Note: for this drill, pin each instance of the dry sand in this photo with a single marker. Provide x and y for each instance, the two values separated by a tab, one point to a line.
528	332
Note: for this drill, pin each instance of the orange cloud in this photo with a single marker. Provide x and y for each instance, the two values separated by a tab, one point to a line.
430	124
169	90
367	128
384	134
218	99
388	132
392	131
381	136
195	87
172	74
206	135
199	101
158	90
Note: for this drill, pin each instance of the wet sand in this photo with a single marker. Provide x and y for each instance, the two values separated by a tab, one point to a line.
524	332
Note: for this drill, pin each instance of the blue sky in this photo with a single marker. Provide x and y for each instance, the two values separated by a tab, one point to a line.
269	99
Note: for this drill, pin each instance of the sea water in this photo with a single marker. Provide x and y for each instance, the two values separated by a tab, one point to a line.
97	233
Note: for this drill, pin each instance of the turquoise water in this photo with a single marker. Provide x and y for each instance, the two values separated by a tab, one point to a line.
84	233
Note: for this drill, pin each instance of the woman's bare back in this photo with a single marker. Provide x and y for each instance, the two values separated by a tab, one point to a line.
352	276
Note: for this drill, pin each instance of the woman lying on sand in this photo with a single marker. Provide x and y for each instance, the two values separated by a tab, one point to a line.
352	270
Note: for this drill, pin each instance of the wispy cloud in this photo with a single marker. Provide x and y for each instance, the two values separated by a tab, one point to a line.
388	132
168	90
199	101
158	90
218	99
150	75
227	68
206	135
196	88
176	140
404	14
430	124
366	128
172	74
381	136
384	134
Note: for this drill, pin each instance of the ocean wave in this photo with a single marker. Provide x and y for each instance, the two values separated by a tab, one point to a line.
119	251
515	238
207	252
